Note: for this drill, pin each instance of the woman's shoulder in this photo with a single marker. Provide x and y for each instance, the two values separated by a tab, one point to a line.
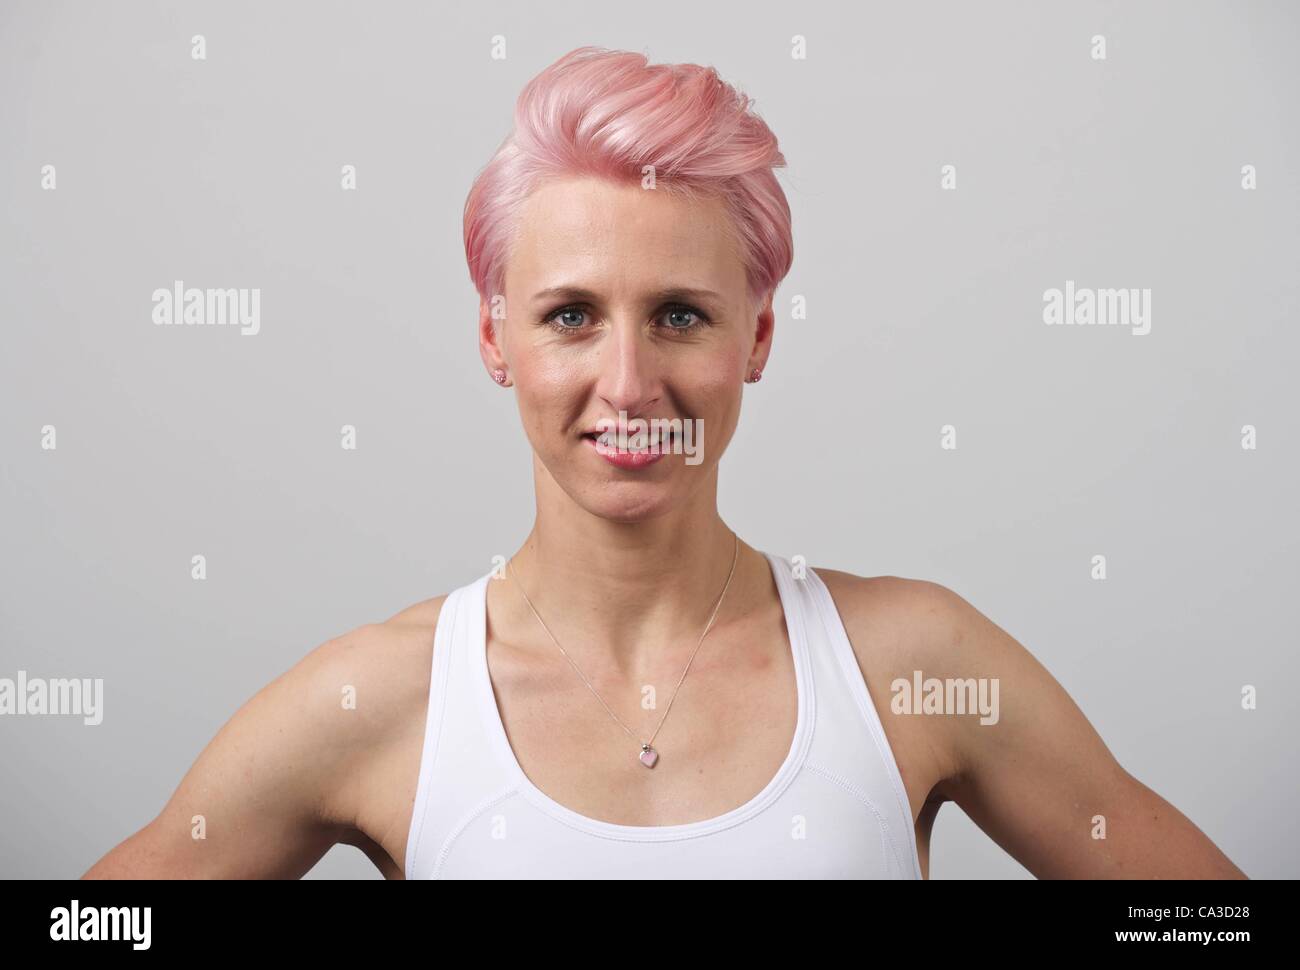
391	658
886	598
906	620
900	626
379	670
416	619
370	689
386	653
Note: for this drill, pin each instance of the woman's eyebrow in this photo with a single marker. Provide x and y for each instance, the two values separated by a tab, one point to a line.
662	296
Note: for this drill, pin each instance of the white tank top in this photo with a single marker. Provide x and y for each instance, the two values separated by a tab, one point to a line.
836	808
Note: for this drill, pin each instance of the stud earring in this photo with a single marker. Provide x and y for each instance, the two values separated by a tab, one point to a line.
754	376
499	376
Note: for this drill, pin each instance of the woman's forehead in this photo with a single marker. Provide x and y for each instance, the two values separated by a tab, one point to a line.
596	230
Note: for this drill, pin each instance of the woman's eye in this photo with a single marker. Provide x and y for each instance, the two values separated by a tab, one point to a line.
566	318
679	319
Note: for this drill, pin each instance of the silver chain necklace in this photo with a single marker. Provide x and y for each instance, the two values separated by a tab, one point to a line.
647	755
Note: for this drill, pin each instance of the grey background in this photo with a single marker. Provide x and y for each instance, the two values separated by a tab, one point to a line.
924	310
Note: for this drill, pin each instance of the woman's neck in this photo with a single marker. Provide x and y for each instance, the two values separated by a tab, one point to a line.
620	594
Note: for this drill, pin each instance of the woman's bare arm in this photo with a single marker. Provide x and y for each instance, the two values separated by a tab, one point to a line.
1040	781
259	802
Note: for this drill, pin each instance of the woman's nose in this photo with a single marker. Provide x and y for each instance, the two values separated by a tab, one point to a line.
629	378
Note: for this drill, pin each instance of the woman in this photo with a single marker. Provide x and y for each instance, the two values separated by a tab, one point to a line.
638	693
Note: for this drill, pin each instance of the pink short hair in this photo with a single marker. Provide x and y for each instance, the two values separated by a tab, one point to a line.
609	113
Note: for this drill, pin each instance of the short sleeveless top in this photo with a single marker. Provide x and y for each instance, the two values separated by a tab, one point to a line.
835	809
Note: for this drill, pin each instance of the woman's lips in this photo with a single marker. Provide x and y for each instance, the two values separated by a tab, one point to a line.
627	459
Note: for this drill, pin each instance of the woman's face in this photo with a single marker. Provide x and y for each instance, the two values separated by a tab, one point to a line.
620	298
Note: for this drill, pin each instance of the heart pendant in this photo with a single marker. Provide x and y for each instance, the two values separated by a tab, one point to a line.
648	756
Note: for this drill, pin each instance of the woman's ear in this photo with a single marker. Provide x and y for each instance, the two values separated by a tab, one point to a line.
764	326
489	337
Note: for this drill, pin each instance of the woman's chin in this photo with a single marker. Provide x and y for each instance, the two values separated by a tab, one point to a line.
629	501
